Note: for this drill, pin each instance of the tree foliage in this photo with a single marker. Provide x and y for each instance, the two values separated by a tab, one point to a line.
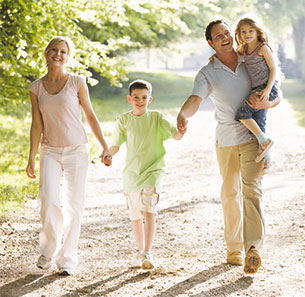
102	30
26	26
282	16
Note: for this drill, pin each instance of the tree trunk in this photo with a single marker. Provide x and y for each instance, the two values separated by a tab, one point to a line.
148	58
299	42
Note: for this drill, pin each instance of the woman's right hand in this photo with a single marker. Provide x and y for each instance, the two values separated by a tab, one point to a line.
30	169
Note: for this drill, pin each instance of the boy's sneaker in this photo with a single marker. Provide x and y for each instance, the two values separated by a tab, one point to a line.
148	262
252	261
263	149
43	262
137	261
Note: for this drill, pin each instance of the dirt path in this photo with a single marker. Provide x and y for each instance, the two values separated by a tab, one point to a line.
189	248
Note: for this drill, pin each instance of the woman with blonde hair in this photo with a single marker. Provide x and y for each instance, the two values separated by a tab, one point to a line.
57	99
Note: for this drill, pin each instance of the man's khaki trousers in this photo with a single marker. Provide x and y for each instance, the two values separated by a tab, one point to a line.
241	196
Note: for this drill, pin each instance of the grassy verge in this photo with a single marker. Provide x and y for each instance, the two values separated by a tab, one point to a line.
169	91
294	93
14	185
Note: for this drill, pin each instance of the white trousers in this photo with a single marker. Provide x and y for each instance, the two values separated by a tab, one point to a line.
61	214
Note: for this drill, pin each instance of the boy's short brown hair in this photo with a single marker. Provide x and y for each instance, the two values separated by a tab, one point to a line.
140	84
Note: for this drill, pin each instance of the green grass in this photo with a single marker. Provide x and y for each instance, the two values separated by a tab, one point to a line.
15	186
169	91
294	93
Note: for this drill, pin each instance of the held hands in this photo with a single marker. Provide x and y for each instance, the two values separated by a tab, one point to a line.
106	157
107	160
182	124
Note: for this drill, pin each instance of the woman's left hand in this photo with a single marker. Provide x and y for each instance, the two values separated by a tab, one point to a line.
30	169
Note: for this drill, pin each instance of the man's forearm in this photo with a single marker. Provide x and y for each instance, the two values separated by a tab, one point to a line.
190	106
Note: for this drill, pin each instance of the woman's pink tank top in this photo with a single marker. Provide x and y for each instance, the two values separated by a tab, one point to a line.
61	115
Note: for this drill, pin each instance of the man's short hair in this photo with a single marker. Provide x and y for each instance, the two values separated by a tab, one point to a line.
208	29
140	84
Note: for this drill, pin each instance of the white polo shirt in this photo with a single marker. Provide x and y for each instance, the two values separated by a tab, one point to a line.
227	89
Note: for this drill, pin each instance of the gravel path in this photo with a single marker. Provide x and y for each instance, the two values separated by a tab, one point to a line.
189	249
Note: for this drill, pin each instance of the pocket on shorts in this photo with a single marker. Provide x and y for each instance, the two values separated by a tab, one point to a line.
150	197
128	200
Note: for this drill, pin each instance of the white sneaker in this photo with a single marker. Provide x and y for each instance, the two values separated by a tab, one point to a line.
43	262
65	272
137	261
148	262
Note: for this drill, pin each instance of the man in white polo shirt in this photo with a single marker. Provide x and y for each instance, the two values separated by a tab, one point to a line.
227	83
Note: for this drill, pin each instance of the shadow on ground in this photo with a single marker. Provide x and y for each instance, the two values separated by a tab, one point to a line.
88	290
205	275
27	284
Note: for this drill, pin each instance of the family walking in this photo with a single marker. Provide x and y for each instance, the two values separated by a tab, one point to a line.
241	93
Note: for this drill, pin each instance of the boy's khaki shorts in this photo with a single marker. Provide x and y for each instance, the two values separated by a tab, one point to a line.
145	200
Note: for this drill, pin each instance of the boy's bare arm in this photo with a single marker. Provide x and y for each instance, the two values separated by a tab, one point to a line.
178	135
114	149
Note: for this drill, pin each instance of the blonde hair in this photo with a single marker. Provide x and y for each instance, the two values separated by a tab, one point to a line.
56	40
261	33
261	36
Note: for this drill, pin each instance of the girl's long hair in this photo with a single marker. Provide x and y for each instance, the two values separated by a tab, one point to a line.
261	33
261	36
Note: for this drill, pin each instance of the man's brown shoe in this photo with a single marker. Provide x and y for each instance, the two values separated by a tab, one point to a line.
234	258
252	261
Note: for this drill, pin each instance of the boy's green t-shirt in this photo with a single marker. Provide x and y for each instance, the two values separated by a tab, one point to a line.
144	136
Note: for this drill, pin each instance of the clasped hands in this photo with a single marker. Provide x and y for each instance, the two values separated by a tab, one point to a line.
106	157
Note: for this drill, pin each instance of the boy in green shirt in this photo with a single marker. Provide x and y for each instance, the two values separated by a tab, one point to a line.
144	132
